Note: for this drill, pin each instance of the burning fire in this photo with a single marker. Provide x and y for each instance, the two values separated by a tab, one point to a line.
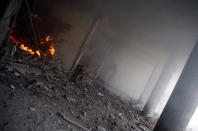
46	46
48	38
25	48
38	53
52	50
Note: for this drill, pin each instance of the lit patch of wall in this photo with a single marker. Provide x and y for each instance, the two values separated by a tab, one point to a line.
193	126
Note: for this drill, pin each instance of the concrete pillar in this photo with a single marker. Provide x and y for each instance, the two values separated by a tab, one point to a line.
170	68
152	81
184	98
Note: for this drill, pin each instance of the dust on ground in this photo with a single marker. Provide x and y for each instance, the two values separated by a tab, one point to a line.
34	92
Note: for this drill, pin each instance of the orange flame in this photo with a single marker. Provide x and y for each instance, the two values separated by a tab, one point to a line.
38	53
48	38
45	47
25	48
52	49
35	16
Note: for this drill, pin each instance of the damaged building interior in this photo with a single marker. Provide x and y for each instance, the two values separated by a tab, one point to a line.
98	65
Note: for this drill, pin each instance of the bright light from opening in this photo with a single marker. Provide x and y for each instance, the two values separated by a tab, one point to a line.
193	124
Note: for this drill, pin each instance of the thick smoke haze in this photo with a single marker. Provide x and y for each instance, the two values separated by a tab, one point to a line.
147	42
149	33
152	42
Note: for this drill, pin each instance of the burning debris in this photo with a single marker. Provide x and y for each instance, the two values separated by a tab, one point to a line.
44	47
26	33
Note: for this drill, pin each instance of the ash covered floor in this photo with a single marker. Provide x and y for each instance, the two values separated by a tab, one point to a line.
32	96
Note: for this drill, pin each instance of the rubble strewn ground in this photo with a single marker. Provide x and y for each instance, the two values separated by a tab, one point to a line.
34	93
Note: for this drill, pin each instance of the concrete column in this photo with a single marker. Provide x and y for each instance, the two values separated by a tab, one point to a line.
170	68
184	98
152	81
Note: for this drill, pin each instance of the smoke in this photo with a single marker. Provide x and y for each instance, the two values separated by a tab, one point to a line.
147	34
139	37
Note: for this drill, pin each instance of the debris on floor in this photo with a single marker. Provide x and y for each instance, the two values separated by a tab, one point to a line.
41	97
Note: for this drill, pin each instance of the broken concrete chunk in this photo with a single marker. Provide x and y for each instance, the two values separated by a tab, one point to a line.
100	94
84	114
112	116
16	74
120	114
32	109
100	128
12	86
70	99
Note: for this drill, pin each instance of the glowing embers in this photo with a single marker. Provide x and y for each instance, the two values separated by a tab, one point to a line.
52	49
25	48
47	42
45	46
48	38
29	38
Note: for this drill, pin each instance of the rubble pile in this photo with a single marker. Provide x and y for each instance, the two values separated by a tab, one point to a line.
37	95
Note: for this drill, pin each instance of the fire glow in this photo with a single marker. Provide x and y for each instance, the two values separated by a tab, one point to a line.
39	45
46	46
